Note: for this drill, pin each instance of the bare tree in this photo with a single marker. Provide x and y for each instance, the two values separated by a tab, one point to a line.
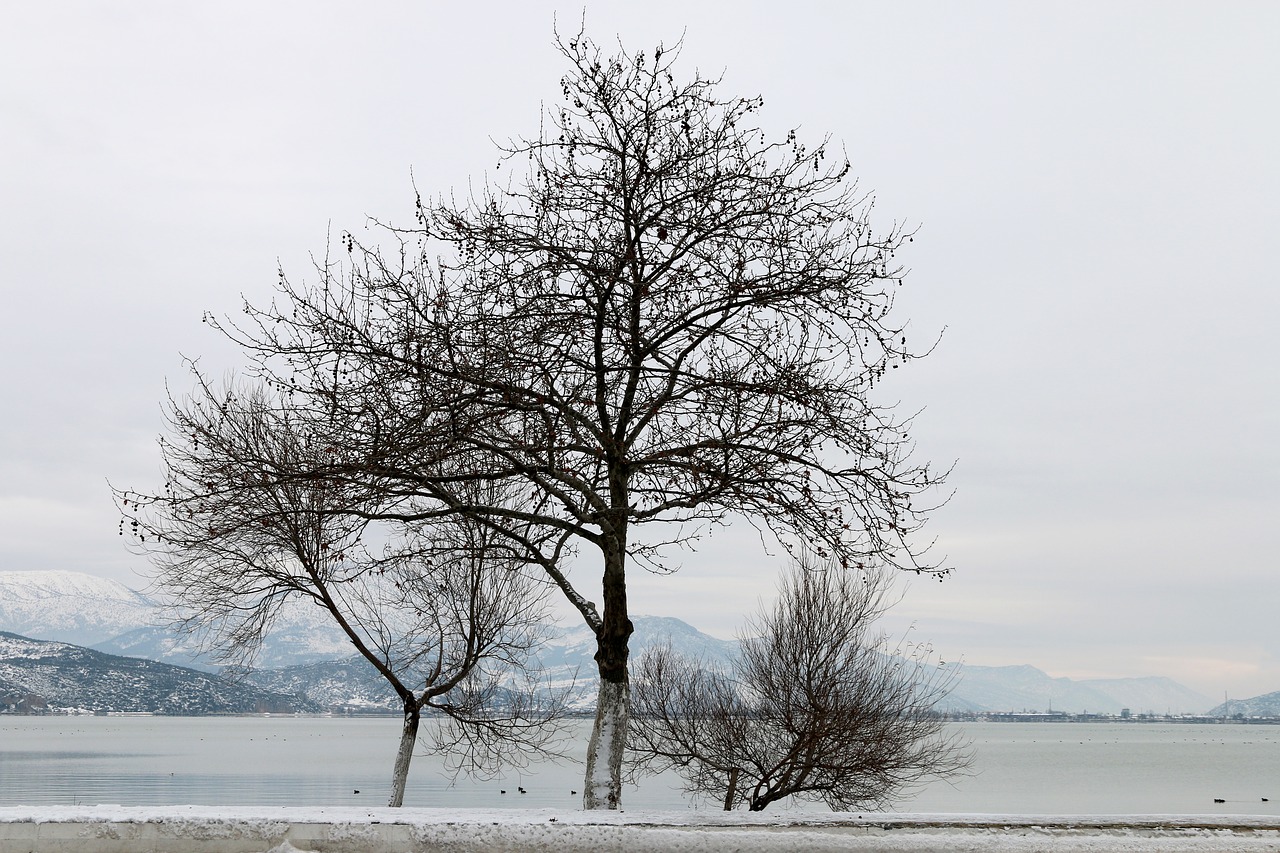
441	610
818	707
668	322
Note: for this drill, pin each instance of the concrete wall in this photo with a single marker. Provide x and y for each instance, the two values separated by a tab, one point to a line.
204	830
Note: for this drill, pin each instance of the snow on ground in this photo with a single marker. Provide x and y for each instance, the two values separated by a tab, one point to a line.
200	829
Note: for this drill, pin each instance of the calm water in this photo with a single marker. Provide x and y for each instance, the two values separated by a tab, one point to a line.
1053	768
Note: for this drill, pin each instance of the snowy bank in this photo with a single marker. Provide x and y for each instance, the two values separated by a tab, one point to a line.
206	829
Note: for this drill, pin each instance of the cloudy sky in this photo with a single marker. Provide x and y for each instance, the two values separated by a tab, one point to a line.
1097	193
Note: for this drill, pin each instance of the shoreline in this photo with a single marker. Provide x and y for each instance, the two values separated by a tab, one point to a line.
250	829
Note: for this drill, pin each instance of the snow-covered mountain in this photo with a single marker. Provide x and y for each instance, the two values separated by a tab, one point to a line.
565	662
86	610
1152	694
70	606
1025	688
40	674
978	688
302	634
567	658
337	685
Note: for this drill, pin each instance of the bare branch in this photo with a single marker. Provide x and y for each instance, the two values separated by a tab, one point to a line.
817	707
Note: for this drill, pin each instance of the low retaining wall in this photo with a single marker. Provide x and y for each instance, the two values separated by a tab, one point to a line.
193	829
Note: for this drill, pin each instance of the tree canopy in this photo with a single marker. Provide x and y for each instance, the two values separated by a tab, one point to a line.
653	319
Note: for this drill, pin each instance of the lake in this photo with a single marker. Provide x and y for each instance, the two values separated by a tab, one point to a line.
1020	768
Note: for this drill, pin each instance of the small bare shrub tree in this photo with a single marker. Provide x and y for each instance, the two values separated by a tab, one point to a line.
818	706
441	610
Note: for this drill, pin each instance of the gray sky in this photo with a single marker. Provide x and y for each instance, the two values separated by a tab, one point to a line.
1097	192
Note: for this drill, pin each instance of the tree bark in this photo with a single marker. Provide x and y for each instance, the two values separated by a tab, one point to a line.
603	783
604	753
408	739
733	789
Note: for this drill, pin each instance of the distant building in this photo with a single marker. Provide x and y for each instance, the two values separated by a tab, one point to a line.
1030	717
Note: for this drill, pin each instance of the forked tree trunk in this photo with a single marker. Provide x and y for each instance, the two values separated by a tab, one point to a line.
408	739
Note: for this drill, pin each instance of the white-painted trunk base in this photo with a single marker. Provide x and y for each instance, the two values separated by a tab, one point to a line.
603	781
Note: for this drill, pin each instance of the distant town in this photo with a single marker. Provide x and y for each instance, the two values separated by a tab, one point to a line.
30	705
1125	716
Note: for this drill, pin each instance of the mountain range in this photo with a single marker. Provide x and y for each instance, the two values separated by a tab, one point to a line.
39	674
306	656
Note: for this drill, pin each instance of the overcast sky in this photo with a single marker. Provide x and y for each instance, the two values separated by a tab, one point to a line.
1097	192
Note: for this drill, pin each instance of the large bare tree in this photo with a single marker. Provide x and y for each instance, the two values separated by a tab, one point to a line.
819	706
440	609
665	321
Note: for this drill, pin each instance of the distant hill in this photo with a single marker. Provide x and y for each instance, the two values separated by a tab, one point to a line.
1025	688
60	675
305	653
1267	705
303	633
337	685
568	658
565	660
1152	694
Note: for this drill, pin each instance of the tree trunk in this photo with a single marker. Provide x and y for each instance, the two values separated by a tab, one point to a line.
408	739
733	789
603	784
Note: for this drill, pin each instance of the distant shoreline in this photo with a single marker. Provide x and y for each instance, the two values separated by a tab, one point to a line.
954	716
1136	719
